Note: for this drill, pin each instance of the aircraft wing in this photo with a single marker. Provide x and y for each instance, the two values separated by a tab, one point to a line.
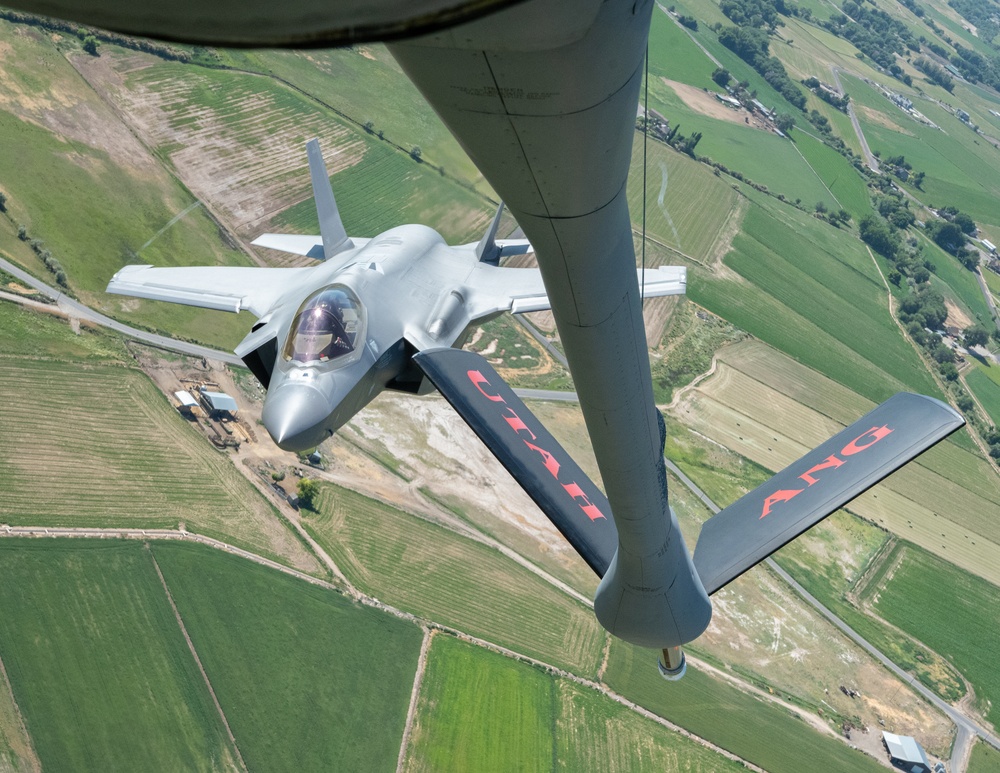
223	288
520	290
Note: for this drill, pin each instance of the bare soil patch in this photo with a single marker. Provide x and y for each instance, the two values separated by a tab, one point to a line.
882	119
956	317
707	103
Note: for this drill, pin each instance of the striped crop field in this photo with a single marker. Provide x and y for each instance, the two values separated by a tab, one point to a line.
97	662
480	711
687	208
946	502
388	188
236	139
304	675
98	445
432	572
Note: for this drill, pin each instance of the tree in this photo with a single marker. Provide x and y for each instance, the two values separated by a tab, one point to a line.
416	153
370	127
3	201
876	233
949	371
90	45
308	489
977	335
820	207
22	232
918	180
784	122
721	76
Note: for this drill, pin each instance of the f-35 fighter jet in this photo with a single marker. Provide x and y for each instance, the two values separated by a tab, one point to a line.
331	337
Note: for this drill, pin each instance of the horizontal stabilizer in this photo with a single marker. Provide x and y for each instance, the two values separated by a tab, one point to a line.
295	244
538	463
827	478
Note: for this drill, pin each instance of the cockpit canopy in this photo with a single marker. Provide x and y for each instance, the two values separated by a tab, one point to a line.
329	325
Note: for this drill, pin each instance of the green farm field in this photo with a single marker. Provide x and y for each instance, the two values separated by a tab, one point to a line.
481	711
365	83
304	675
838	175
962	171
388	189
811	283
761	156
87	444
432	572
986	390
674	56
954	613
730	718
687	208
985	759
90	644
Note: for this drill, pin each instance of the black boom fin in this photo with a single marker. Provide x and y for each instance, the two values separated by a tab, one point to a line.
518	440
827	478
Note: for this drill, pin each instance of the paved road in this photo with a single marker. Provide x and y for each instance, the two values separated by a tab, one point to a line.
869	156
963	723
77	309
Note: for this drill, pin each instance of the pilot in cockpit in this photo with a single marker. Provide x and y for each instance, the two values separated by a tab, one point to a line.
325	328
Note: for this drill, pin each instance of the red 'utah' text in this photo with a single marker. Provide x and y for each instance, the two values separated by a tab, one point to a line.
548	460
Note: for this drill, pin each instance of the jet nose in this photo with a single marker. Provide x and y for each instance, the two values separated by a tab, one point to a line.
294	416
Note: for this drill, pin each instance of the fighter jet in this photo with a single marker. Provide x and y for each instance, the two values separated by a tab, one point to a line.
329	338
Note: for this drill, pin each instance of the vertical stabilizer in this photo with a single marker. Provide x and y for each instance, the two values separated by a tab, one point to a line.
335	238
487	251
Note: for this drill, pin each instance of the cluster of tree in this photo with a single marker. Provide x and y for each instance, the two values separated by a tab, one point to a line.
873	32
308	490
836	219
917	10
976	67
901	168
934	72
688	21
950	234
752	46
754	13
38	247
838	101
684	144
136	44
983	15
924	310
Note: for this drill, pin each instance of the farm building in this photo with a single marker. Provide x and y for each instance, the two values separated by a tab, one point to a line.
905	753
185	401
218	404
729	101
990	246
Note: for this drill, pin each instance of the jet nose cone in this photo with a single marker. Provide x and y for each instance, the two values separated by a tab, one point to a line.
294	416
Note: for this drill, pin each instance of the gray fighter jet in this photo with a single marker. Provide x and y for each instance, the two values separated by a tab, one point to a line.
329	338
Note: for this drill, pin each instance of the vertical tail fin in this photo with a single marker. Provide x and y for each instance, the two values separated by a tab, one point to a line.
487	250
335	238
